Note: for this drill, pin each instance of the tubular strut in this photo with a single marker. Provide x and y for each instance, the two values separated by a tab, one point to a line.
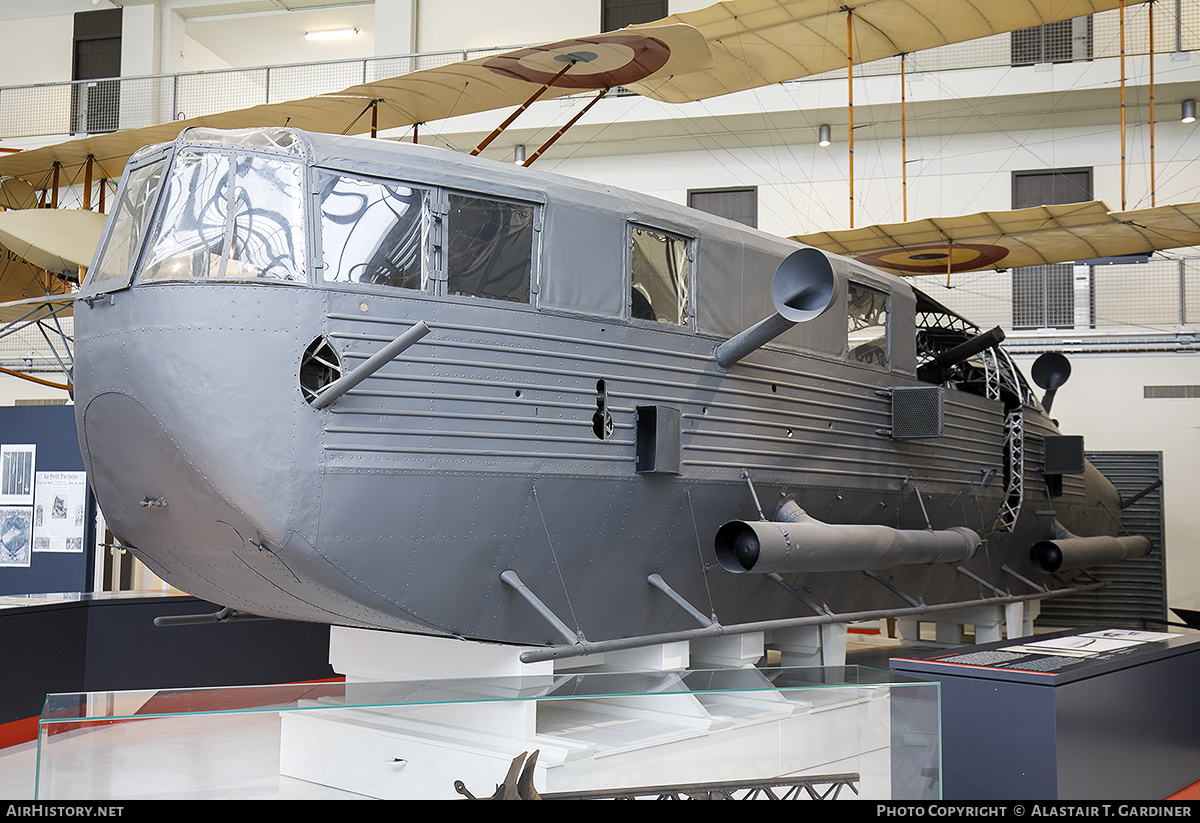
563	130
582	647
657	582
513	580
487	140
893	589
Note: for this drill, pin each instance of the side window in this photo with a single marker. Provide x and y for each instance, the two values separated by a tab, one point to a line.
489	248
660	279
373	232
867	326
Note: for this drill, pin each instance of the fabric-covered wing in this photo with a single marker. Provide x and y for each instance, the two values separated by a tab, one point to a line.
57	240
603	60
15	310
1025	237
759	42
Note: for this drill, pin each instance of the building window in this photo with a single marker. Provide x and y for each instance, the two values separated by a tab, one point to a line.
1061	42
740	204
617	14
1044	296
1050	187
95	106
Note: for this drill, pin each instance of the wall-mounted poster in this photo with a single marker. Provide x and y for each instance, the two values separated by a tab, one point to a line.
16	529
58	512
16	475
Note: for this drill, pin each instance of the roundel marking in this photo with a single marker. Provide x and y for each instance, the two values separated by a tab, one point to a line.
937	257
602	62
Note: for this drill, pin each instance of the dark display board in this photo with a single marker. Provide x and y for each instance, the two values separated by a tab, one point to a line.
40	440
1087	714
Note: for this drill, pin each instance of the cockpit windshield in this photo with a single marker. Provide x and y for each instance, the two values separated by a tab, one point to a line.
229	216
128	226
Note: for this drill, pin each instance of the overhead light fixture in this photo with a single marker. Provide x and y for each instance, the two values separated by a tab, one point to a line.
519	154
824	136
1189	111
330	34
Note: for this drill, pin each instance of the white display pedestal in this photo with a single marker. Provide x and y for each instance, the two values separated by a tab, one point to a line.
667	735
1014	619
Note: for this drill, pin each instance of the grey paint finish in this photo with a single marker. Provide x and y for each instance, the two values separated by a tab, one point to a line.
473	452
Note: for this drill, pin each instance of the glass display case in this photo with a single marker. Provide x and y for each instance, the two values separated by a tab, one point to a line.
821	732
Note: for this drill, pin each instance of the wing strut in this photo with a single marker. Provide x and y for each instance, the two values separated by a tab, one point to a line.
563	130
38	380
487	140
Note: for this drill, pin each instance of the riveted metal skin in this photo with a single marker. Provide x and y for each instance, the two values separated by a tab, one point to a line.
474	452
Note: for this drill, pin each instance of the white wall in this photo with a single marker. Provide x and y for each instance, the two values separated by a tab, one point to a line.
14	388
36	49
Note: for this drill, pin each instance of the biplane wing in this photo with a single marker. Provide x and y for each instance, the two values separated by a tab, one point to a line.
759	42
487	83
726	47
44	312
1008	239
57	240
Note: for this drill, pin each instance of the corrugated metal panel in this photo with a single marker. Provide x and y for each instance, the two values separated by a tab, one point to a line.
1136	594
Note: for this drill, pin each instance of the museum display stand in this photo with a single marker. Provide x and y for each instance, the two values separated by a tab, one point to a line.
1079	714
874	733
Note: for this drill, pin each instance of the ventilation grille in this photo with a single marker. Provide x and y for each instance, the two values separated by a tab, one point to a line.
1161	392
1136	594
1064	454
916	412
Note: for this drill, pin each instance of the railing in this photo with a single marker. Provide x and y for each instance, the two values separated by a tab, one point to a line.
90	106
1149	301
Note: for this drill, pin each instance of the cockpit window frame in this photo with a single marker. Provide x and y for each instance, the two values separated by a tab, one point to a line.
444	239
233	156
144	159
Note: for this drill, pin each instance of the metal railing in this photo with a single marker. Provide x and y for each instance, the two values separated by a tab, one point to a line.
93	106
1153	301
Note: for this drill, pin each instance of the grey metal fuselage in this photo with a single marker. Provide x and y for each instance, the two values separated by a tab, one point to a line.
484	447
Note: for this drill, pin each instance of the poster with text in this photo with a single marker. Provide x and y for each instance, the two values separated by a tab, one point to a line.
16	475
16	528
58	511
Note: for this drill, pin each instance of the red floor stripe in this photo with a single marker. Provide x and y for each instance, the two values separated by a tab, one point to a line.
18	731
1190	793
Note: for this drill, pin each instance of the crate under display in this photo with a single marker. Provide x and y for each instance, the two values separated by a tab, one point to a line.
849	732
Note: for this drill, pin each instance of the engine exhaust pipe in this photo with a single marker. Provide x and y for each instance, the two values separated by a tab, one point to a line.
1070	552
796	542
